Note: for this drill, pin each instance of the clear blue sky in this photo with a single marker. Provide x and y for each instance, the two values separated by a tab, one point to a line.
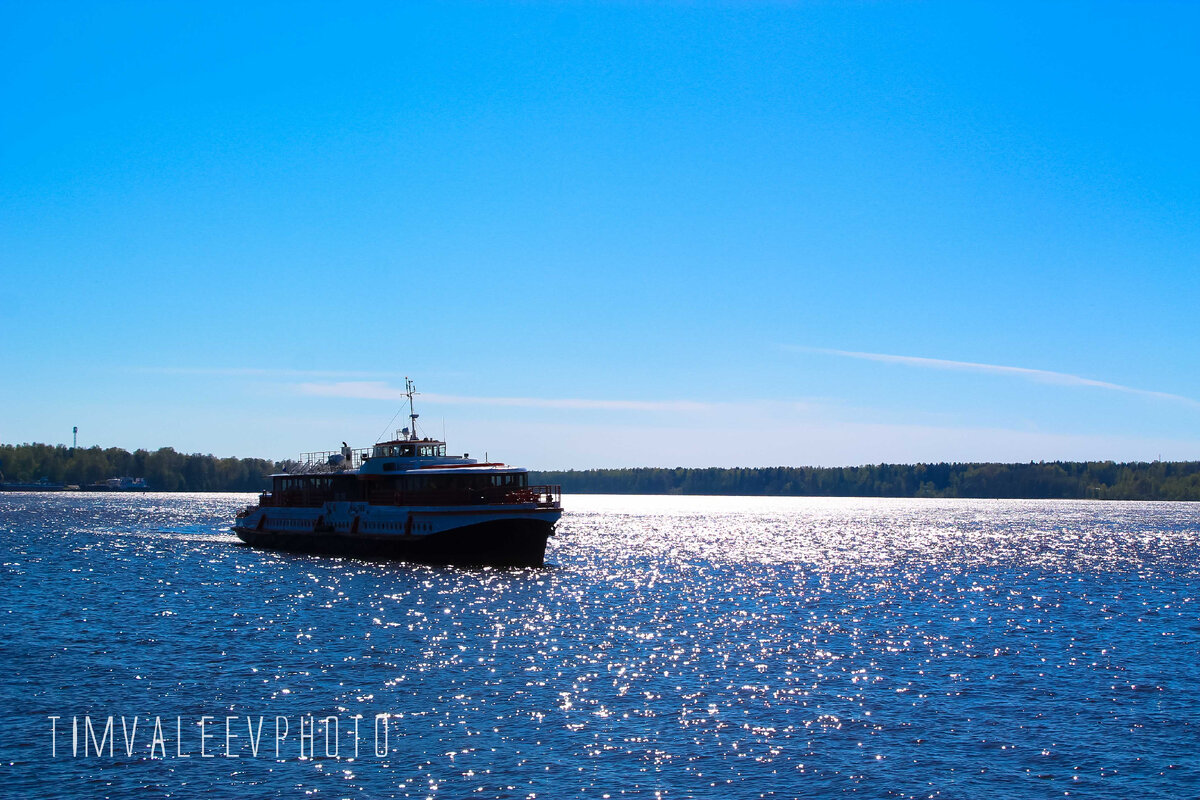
605	234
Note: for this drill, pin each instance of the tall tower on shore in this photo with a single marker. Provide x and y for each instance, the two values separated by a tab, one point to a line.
74	437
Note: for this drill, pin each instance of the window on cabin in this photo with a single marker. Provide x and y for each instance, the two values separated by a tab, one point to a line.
406	450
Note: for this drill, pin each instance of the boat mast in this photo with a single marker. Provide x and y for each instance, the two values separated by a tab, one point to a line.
410	390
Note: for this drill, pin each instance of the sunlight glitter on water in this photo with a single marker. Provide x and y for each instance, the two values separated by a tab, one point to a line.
679	646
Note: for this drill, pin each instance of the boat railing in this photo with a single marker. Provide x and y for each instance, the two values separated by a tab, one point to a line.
546	496
318	461
542	496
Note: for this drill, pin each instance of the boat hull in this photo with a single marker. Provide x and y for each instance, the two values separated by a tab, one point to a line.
519	542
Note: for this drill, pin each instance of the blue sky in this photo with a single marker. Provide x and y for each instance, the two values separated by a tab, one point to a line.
605	234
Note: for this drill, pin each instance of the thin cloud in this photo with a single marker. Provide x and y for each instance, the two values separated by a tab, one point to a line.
255	372
378	390
1025	373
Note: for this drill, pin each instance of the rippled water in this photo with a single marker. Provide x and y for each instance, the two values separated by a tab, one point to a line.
675	647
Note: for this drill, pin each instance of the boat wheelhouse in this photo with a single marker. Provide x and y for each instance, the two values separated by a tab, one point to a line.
405	498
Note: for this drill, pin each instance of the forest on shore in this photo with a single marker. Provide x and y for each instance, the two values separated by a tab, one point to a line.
167	470
1100	480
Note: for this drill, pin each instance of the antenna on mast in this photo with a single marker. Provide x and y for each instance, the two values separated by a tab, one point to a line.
410	389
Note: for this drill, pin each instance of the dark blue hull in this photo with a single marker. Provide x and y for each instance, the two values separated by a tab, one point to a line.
497	543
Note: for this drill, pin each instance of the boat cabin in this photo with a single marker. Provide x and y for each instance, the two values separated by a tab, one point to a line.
403	472
401	449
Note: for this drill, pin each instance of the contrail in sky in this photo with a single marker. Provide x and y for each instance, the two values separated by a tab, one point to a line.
1026	373
378	390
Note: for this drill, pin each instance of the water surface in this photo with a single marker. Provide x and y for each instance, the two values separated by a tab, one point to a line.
674	647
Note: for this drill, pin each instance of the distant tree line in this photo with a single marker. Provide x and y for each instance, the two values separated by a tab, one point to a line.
164	469
1103	480
167	470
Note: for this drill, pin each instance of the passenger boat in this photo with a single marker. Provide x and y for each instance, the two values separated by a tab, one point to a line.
405	498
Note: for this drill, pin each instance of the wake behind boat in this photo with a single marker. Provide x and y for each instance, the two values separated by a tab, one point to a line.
406	499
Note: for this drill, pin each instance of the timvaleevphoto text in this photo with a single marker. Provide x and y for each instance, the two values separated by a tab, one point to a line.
278	737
